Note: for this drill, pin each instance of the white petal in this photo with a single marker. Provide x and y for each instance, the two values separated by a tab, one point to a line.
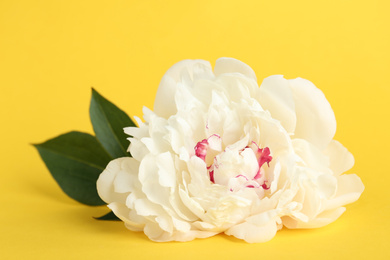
237	87
149	178
181	226
122	212
137	132
349	189
166	170
156	234
315	118
275	96
311	203
273	136
164	104
180	207
105	183
321	220
145	207
138	149
126	179
191	204
252	233
165	222
312	157
204	226
327	185
185	99
154	231
199	176
230	65
341	159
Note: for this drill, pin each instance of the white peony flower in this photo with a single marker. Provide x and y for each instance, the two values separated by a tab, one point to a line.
219	154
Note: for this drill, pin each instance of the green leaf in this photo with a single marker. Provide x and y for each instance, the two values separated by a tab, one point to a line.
109	216
108	122
75	160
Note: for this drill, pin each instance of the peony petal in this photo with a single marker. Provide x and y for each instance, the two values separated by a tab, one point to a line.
146	208
181	226
191	204
137	132
276	96
185	99
252	233
273	135
164	104
321	220
236	87
105	183
166	170
327	185
138	149
311	156
165	222
341	159
311	203
182	210
126	179
349	189
230	65
204	226
315	118
153	233
122	212
149	178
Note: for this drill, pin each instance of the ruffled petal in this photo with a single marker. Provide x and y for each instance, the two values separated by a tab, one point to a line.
311	156
253	233
122	212
321	220
349	189
276	96
230	65
315	118
341	160
106	181
164	104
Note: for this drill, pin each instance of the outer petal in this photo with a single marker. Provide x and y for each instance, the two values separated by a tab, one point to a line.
349	189
276	96
252	233
315	118
122	212
230	65
311	155
164	104
106	181
340	158
321	220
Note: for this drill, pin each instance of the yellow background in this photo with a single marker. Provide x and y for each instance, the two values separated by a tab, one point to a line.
53	52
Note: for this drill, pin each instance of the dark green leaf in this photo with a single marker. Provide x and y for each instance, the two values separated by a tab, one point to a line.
75	160
109	216
108	122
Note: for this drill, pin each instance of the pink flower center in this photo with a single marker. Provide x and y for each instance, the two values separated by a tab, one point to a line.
239	169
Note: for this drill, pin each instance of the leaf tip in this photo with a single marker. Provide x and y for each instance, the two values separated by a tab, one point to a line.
94	92
35	145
